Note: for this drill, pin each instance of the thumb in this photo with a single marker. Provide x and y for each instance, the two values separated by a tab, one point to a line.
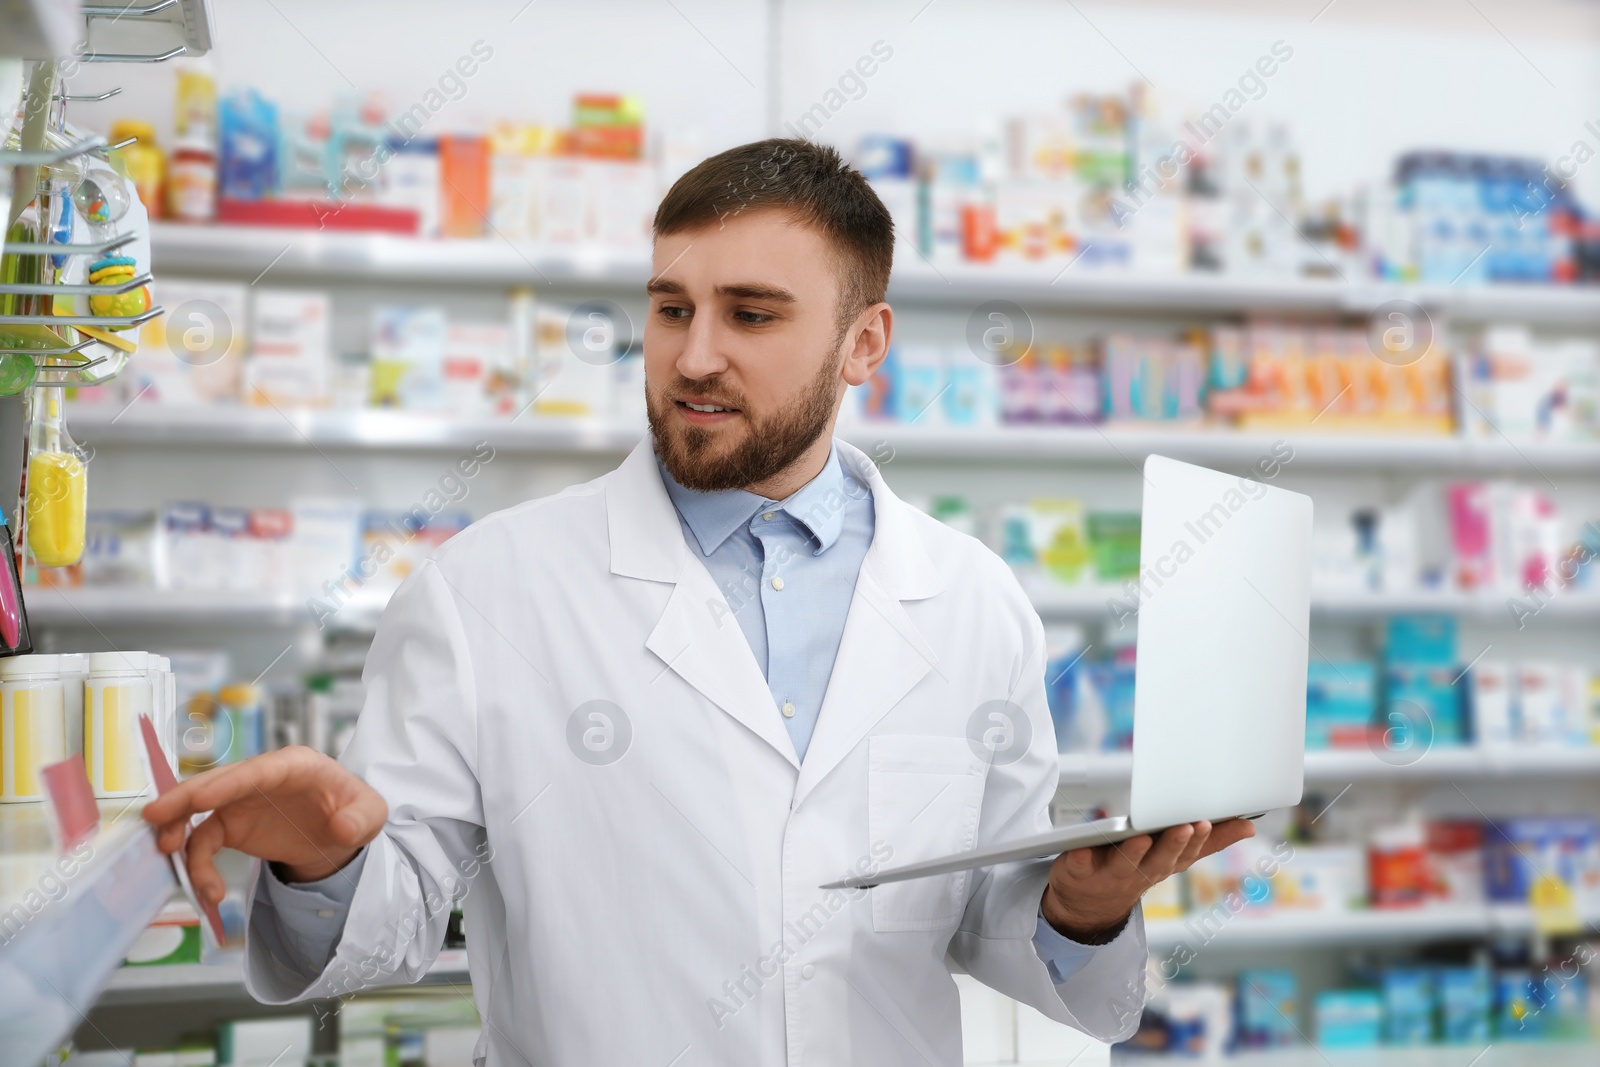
359	821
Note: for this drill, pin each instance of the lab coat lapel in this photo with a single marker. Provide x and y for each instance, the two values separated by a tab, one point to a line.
882	655
696	637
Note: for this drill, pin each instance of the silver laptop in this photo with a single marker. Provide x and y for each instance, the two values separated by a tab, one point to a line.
1220	682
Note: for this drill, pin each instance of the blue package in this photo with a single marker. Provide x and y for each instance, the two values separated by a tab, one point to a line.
247	151
881	156
1341	700
1422	705
1519	1011
1464	1005
1267	1008
1408	1002
1349	1018
1422	640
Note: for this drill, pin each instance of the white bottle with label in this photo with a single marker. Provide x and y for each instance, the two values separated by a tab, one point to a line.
116	693
33	724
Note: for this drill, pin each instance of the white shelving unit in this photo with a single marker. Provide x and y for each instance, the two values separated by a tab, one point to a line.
1333	766
1278	927
335	255
186	981
142	422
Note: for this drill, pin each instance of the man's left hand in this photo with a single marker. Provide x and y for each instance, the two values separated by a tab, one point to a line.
1092	891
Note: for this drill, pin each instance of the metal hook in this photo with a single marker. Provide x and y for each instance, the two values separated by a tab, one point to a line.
123	57
104	321
92	11
54	155
99	248
52	289
79	347
85	99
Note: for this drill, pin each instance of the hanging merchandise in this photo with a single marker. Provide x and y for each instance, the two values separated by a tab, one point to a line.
145	164
14	637
58	486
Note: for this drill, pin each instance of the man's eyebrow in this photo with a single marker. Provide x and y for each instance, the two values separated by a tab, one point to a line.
756	291
664	287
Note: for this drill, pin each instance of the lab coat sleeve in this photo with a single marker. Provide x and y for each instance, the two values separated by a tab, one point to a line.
416	744
996	940
299	924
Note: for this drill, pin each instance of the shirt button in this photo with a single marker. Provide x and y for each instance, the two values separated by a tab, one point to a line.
777	583
788	710
766	516
326	913
807	971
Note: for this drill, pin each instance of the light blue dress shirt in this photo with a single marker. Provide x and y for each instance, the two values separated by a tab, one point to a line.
787	569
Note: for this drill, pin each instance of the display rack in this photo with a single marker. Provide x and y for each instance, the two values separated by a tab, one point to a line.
70	918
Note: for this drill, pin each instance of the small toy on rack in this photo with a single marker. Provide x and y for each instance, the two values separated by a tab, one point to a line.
114	271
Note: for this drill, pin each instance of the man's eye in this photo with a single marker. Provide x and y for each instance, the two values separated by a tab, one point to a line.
752	318
674	314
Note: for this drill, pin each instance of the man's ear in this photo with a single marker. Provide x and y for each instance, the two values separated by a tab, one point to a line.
867	343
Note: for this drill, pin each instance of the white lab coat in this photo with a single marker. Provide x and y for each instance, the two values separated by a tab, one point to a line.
663	907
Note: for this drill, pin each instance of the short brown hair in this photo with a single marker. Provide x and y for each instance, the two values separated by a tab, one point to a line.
815	185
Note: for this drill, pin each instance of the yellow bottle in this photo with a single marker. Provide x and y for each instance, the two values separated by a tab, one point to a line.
58	487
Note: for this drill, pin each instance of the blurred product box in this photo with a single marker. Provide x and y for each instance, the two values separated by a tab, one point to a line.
407	346
1349	1018
195	353
1408	1005
1268	1005
1564	852
1341	704
289	353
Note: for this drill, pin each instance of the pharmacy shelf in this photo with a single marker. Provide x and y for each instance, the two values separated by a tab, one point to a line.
1343	766
134	606
249	252
116	606
143	422
67	927
267	254
305	428
1287	928
1055	600
1508	1054
225	981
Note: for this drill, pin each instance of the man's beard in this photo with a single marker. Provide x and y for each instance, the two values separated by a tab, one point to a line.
696	461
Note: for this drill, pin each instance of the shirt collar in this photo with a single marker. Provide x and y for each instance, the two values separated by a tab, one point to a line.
818	507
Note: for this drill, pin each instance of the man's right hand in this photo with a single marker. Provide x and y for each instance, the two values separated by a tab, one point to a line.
295	807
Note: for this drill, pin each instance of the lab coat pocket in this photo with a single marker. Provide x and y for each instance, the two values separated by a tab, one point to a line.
924	795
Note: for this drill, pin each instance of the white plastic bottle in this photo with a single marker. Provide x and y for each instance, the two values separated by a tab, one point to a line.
33	724
116	693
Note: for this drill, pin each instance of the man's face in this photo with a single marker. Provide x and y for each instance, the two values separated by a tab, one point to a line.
742	349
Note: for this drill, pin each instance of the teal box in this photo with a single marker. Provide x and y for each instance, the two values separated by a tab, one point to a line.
1341	702
1423	706
1408	1006
1268	1005
1421	639
1464	1005
1349	1018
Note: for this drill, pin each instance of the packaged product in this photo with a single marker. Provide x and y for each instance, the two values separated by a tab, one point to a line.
289	353
1349	1018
